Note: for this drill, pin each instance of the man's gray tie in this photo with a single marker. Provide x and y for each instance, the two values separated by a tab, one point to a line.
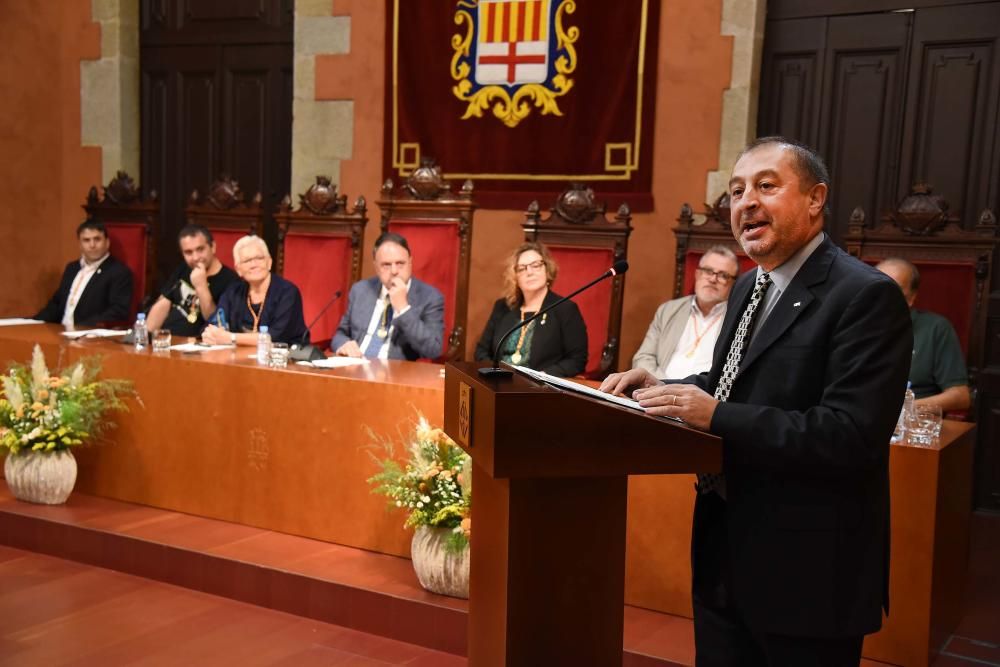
708	482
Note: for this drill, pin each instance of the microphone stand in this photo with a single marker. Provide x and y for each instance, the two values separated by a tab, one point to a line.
302	352
495	370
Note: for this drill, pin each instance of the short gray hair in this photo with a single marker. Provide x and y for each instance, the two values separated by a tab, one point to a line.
249	241
726	252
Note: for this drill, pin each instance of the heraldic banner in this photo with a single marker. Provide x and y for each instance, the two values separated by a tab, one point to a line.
524	96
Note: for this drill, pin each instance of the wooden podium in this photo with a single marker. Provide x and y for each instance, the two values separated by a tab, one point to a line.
550	482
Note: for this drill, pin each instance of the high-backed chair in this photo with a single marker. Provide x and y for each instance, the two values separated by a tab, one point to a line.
585	243
226	214
319	249
132	225
437	224
955	265
694	237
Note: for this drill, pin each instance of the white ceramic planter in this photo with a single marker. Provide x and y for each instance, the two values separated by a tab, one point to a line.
439	570
41	477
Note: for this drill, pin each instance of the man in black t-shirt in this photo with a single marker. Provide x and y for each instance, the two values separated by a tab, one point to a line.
190	294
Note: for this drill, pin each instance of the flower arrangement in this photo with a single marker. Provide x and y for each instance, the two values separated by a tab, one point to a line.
435	486
42	412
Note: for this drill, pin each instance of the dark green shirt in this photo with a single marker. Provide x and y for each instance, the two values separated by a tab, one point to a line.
937	362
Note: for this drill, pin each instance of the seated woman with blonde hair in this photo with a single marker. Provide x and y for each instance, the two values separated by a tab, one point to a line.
261	298
555	343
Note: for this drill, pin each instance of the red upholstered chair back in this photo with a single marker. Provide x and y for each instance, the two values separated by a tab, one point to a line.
585	244
948	289
955	264
319	250
225	239
132	225
437	225
225	213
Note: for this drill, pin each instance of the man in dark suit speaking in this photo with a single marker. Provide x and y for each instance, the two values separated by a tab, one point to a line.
94	289
790	545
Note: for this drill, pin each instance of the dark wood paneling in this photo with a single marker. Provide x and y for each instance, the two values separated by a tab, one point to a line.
950	133
171	22
216	98
790	80
861	114
793	9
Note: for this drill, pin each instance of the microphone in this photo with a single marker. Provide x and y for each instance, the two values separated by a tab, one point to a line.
302	352
620	267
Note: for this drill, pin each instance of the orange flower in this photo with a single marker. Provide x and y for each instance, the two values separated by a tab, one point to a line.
43	394
467	526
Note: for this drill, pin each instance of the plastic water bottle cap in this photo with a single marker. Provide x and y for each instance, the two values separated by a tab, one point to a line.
263	328
141	316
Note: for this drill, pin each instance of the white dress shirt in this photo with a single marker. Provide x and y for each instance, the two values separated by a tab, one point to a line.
693	353
376	320
83	276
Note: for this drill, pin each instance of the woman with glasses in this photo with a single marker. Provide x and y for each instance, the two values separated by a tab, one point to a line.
261	298
556	342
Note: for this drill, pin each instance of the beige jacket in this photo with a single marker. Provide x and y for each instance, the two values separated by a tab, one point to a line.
661	338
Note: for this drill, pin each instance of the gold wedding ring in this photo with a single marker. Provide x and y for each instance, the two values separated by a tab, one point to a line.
673	400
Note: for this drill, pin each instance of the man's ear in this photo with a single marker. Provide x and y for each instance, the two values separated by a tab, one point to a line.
817	198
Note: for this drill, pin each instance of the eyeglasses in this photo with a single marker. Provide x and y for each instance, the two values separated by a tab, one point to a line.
534	266
259	259
721	276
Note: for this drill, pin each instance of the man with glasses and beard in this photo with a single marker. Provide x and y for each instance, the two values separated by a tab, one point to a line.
682	335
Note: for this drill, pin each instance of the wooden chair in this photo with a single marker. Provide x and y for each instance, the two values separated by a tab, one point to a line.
585	244
694	237
319	249
437	224
224	212
956	265
132	225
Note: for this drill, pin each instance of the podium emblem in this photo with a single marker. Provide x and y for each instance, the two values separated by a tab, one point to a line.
464	413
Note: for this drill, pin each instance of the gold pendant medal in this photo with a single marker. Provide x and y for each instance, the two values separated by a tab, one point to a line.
516	357
382	332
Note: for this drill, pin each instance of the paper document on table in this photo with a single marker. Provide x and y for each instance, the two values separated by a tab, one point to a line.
581	388
95	333
338	362
198	347
17	321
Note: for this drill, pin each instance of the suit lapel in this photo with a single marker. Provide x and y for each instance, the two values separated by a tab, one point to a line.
792	303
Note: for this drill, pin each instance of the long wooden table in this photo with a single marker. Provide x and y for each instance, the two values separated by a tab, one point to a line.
289	450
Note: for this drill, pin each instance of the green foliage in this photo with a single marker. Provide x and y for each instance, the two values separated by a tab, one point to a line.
43	412
434	485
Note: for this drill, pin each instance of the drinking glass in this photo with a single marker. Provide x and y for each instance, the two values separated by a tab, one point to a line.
161	340
279	355
925	425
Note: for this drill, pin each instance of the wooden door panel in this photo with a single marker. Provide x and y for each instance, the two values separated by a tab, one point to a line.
950	133
861	113
791	76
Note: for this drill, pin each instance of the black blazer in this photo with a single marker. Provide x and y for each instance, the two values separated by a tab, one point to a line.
806	448
558	347
107	297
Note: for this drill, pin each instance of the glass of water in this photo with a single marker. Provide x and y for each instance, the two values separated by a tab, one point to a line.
161	340
925	425
279	355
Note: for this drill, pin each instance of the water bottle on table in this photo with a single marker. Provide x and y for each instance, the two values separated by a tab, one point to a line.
905	415
263	346
140	335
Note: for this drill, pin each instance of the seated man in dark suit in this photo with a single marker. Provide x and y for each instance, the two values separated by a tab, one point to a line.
937	370
94	289
189	297
391	315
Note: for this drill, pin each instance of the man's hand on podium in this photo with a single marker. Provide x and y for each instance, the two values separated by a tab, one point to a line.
684	401
624	384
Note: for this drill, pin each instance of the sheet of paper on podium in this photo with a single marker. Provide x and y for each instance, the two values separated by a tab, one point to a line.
563	383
